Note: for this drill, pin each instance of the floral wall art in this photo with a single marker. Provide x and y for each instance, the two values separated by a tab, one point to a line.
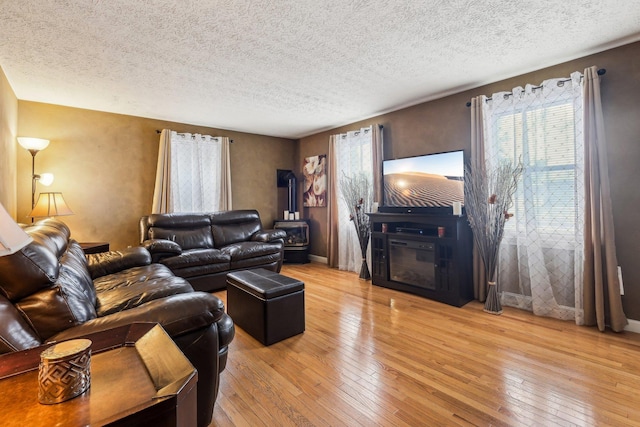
315	181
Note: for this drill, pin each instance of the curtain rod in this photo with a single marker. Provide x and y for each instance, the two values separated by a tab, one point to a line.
158	131
601	72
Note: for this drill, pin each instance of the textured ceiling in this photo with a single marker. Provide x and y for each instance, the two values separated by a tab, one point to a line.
288	67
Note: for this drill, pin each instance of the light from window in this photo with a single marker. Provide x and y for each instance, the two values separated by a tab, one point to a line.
545	140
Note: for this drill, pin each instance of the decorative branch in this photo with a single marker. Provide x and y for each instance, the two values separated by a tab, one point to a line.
357	193
488	197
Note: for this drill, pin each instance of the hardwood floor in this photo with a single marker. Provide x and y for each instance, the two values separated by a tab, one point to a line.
374	356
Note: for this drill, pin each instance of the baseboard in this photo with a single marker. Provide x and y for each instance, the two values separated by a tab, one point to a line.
319	259
633	326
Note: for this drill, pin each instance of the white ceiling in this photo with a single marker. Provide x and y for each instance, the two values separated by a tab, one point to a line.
288	68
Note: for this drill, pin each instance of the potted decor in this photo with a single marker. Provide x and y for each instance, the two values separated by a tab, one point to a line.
357	194
488	195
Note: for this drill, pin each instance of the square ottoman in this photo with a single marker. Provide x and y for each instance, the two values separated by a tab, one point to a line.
267	305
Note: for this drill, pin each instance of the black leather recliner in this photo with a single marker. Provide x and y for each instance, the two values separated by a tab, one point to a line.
204	247
50	291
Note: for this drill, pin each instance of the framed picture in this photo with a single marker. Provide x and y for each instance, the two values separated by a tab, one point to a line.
315	181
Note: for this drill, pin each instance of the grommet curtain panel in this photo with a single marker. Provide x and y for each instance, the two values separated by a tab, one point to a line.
350	153
477	164
161	194
193	173
552	261
602	300
541	258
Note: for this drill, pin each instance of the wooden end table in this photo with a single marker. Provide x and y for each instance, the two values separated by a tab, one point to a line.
94	247
138	377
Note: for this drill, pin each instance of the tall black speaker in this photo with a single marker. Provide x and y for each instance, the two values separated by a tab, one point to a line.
293	193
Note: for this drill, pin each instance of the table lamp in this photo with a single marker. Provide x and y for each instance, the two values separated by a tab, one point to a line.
49	205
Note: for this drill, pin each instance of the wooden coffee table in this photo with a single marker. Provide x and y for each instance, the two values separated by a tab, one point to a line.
138	377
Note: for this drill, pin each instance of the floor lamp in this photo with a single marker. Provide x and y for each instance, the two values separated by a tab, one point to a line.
34	145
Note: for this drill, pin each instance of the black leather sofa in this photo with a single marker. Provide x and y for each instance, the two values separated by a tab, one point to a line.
204	247
51	291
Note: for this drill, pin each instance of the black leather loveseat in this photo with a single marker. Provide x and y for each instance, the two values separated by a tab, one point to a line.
204	247
51	291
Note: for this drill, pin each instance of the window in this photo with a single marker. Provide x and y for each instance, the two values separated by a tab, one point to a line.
541	256
196	170
545	136
353	156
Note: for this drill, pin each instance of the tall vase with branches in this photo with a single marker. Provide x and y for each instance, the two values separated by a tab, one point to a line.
488	197
357	194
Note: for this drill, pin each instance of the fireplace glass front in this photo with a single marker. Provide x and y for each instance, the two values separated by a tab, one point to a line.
412	262
297	232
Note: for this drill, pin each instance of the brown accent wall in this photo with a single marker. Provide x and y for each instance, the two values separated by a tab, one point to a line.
8	144
105	164
444	125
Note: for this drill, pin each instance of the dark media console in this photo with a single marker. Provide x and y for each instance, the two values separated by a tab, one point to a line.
427	255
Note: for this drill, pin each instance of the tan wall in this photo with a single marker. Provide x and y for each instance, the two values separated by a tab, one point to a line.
8	144
444	125
104	164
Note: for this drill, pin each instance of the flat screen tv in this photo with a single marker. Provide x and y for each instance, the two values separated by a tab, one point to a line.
430	183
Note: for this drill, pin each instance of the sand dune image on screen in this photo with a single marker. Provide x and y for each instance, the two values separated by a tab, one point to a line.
422	190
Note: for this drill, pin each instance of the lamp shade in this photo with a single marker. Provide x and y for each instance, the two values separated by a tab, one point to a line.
46	179
50	204
35	144
12	237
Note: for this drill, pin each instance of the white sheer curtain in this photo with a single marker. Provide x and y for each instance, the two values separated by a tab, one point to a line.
193	173
541	257
352	153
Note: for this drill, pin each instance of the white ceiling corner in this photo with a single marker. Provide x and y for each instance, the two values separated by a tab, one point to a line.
288	68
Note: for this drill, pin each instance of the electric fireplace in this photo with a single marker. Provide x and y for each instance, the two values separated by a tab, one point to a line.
412	262
296	243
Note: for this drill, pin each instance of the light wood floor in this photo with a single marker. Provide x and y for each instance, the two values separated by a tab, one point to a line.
374	356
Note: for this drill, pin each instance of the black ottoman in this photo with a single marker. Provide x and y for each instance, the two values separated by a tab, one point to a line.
267	305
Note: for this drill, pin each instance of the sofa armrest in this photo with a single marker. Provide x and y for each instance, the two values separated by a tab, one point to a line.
269	235
104	263
161	248
178	314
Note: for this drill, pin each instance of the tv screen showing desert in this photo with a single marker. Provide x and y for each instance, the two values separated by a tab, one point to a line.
424	181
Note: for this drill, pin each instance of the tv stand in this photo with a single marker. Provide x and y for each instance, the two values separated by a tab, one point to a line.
424	254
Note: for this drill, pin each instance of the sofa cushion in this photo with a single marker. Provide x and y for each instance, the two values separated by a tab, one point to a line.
104	263
187	239
36	265
162	245
198	262
52	233
234	226
136	286
190	231
245	250
178	314
74	273
15	332
268	262
252	254
197	257
28	270
69	301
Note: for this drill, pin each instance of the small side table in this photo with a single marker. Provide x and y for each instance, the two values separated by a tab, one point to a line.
94	247
138	377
